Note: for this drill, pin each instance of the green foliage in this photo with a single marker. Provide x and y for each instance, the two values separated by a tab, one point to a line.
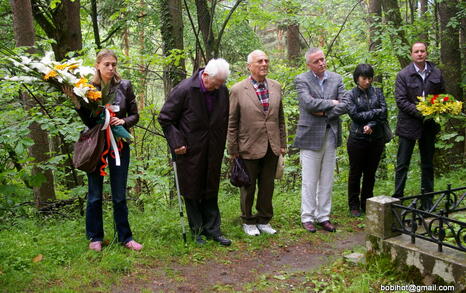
133	27
68	265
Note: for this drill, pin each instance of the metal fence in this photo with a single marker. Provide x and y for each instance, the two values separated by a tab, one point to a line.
428	216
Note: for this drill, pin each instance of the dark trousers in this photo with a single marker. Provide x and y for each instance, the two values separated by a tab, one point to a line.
203	216
405	151
364	157
118	178
261	171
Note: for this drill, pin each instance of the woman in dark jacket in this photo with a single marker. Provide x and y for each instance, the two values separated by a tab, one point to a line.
368	111
126	114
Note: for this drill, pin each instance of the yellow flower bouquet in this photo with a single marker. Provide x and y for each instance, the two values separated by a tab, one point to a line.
71	73
439	107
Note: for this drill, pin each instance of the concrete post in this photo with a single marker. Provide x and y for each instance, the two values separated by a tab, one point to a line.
379	216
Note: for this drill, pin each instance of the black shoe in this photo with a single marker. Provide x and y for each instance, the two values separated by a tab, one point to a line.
199	241
222	240
355	213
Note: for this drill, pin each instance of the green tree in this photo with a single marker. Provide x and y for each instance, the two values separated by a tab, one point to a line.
25	36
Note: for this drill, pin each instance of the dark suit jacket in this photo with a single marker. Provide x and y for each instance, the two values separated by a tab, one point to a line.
186	121
409	85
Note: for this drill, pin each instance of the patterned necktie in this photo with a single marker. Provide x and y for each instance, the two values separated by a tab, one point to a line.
263	95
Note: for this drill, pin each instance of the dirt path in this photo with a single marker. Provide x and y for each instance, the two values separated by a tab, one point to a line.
237	270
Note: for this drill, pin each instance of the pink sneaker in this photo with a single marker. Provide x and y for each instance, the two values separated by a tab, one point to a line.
133	245
95	245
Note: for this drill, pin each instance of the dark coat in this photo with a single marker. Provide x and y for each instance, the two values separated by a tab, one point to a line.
366	108
186	122
124	96
409	85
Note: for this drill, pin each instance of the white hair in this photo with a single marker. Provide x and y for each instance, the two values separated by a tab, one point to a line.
218	68
310	52
254	53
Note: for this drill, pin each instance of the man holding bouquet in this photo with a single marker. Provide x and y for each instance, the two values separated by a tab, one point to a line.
419	78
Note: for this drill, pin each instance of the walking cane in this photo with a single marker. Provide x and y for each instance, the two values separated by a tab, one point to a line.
179	201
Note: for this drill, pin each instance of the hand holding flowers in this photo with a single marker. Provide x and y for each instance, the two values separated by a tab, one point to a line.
439	107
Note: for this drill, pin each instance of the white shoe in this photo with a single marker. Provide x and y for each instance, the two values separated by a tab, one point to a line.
251	230
266	228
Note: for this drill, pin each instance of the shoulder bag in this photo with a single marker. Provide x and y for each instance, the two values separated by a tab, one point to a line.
88	148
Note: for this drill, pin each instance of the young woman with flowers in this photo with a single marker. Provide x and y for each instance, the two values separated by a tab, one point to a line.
124	113
368	111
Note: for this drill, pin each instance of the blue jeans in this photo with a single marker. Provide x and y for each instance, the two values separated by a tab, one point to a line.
118	178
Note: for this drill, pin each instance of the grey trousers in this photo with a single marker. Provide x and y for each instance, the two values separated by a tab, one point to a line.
317	181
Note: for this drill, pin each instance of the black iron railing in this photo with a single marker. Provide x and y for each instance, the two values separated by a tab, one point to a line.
428	216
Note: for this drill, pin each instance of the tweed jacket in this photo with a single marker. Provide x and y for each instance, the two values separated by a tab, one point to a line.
311	128
250	128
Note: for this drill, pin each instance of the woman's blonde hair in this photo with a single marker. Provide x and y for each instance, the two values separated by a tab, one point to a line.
105	53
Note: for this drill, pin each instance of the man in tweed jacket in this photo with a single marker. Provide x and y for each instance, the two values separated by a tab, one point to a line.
321	102
256	133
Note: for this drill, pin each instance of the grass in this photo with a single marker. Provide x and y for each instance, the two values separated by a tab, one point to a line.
68	266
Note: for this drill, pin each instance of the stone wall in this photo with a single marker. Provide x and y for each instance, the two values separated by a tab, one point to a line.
449	265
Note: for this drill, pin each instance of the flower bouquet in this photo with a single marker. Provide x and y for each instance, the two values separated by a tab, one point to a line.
70	73
439	107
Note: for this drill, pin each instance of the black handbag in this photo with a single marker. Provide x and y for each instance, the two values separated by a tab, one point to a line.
239	176
88	149
387	132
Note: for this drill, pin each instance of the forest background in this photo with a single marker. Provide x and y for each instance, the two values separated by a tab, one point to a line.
161	42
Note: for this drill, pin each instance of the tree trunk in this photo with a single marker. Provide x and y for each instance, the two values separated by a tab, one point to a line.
436	25
62	24
125	43
293	43
25	36
375	15
450	54
204	20
393	16
422	15
95	24
450	57
69	37
142	66
172	37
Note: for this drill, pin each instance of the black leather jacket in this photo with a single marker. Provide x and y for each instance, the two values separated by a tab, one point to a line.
125	98
366	107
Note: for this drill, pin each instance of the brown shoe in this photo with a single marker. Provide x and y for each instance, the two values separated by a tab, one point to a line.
309	226
327	226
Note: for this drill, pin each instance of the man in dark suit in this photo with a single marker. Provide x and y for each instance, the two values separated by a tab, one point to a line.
420	78
194	120
321	102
